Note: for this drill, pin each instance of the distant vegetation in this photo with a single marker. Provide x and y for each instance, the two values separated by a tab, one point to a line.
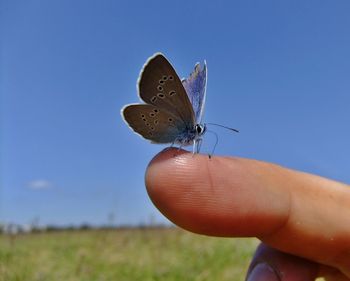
147	254
32	228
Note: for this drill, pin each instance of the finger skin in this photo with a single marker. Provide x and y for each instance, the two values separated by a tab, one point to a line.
294	212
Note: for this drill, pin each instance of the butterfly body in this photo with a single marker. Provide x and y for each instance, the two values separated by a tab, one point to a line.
190	135
173	108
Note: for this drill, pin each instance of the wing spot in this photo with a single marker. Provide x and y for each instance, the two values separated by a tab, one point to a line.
148	124
170	119
161	81
160	88
171	77
144	119
171	93
155	110
152	114
152	128
160	95
143	115
165	77
153	99
150	133
156	122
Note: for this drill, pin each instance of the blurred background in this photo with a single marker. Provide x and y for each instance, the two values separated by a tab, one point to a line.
277	70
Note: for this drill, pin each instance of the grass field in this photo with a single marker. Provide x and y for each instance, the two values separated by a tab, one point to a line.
134	254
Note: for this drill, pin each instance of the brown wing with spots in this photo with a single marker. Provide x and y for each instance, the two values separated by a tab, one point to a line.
159	85
153	123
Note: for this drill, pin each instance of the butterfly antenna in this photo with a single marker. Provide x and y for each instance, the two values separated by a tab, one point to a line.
228	128
216	142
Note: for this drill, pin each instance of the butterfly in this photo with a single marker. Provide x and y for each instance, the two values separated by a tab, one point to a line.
173	108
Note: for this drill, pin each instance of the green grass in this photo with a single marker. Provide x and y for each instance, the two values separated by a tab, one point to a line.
148	254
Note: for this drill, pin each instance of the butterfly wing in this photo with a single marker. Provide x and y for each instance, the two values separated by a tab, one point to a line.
159	85
195	86
153	123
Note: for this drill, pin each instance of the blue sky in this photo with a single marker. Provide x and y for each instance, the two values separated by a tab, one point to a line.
279	71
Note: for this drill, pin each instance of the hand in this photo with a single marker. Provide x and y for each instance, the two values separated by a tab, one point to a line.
303	220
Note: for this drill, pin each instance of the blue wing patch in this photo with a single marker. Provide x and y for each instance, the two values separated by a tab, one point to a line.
195	86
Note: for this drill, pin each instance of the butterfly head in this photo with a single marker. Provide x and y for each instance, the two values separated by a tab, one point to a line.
200	129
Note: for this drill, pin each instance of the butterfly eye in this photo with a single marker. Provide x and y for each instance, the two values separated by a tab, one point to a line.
160	88
160	95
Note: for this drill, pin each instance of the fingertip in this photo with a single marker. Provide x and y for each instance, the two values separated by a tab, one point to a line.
159	166
175	180
169	173
172	167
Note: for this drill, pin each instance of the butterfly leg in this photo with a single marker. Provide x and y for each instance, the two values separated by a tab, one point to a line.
197	145
181	146
194	147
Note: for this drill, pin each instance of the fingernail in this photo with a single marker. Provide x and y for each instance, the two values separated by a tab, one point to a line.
263	272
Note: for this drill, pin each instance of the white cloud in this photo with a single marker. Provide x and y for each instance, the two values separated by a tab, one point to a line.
40	184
